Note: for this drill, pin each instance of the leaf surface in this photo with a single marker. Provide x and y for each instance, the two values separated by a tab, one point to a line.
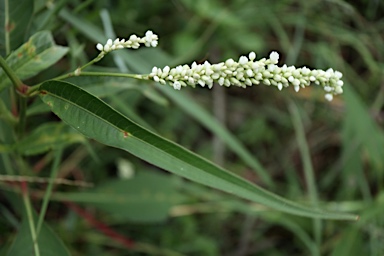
15	16
39	53
48	242
48	136
97	120
147	197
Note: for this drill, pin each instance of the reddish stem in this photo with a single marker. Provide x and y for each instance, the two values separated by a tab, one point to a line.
100	226
24	187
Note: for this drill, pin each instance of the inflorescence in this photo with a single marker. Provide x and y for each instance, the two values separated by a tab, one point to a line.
245	72
248	72
150	40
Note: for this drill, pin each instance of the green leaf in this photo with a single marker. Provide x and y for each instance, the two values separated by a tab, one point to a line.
359	128
145	198
97	120
48	242
197	112
48	136
15	18
39	53
104	85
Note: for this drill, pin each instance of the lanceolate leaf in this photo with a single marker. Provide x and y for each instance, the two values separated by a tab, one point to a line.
147	197
97	120
48	136
15	17
39	53
48	242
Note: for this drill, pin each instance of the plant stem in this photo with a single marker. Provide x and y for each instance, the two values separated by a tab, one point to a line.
48	192
7	164
33	89
308	168
22	115
28	208
12	76
6	18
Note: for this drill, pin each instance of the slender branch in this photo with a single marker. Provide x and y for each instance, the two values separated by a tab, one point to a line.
12	76
22	115
106	230
32	89
6	22
309	174
48	192
28	208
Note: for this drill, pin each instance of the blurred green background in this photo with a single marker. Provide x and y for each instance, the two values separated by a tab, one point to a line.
165	215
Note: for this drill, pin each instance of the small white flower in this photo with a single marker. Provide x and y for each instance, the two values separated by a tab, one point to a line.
154	43
229	63
243	60
177	85
148	35
249	72
107	48
133	38
166	69
274	57
338	90
99	47
252	56
328	97
338	74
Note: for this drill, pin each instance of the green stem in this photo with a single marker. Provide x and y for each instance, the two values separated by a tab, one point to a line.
48	192
7	164
22	115
12	76
308	168
28	208
7	115
35	88
6	22
97	59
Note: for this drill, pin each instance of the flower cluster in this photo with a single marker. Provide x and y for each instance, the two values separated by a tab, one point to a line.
248	72
150	40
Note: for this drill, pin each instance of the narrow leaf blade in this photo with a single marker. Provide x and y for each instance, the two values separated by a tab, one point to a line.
147	197
48	242
47	137
97	120
14	27
39	53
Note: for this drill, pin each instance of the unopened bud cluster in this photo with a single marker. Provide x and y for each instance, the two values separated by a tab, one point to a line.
150	40
248	72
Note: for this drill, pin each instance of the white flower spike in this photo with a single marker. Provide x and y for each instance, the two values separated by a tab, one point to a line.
247	72
150	40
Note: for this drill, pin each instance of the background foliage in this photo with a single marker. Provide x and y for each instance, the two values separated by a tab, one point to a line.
137	209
